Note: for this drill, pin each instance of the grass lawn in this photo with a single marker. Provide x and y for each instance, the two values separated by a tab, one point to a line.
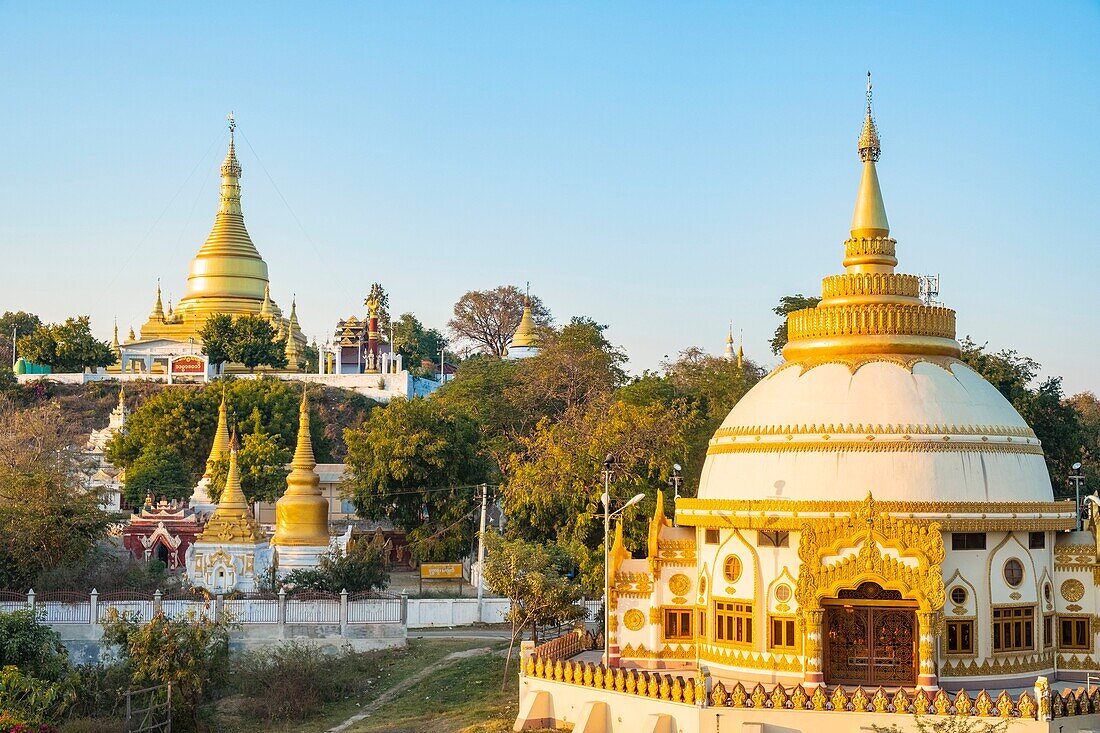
463	695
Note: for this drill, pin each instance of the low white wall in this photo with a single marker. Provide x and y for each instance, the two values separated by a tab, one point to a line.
426	613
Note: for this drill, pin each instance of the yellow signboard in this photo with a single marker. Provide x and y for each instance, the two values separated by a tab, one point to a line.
441	571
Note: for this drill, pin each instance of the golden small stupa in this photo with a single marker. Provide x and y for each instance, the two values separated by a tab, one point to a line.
301	514
232	521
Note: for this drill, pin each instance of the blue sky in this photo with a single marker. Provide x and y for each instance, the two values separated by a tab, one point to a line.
662	168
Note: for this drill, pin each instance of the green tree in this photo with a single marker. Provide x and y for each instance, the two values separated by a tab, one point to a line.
1053	419
414	461
1088	419
219	338
417	343
191	652
8	381
66	347
362	568
159	471
487	318
17	323
184	419
33	647
552	488
47	518
789	304
26	702
262	462
532	576
255	344
480	390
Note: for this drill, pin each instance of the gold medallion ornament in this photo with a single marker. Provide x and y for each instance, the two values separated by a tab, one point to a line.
1072	590
679	584
633	619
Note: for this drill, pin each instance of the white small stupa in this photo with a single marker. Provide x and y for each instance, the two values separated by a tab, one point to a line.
200	500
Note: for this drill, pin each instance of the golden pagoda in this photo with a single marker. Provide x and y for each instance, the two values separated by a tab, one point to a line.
525	341
227	275
232	521
301	515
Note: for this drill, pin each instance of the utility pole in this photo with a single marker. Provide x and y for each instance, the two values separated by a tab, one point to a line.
481	554
14	334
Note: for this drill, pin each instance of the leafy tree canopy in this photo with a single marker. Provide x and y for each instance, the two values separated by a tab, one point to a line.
789	304
486	319
184	419
415	461
219	338
417	343
1053	418
47	519
255	344
159	472
66	347
262	463
34	648
17	323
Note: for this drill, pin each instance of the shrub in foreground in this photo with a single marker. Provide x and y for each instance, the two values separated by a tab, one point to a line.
290	682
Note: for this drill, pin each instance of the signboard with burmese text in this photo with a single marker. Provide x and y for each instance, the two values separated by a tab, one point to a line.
441	570
188	365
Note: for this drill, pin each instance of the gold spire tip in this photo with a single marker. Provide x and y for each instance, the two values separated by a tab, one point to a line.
869	146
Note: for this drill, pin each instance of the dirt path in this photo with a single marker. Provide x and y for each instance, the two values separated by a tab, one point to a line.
405	684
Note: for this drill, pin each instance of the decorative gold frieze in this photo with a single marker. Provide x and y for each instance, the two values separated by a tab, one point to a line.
749	659
668	651
952	445
873	429
872	319
999	666
854	284
633	585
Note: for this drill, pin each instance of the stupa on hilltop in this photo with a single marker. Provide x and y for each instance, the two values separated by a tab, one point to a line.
227	275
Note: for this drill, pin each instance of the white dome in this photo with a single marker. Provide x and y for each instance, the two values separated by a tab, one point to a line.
929	434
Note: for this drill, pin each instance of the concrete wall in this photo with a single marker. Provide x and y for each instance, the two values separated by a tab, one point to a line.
425	613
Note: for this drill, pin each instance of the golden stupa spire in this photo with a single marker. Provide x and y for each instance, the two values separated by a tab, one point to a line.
741	352
265	308
525	334
131	336
220	447
301	514
870	310
728	354
869	220
158	306
227	275
116	348
293	353
232	521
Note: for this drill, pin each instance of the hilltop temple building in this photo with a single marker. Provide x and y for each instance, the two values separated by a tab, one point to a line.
874	531
227	275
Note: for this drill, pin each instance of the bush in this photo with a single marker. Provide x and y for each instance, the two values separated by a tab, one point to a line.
100	689
29	704
108	570
290	682
34	648
362	568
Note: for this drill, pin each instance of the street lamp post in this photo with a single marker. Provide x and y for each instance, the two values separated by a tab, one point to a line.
608	469
1077	478
674	481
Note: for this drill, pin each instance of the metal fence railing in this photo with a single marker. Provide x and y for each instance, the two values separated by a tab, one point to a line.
149	710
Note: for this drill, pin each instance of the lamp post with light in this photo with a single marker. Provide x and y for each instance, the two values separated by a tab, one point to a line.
675	480
1077	478
605	499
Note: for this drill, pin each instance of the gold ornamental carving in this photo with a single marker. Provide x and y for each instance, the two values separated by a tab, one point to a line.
921	544
875	429
872	319
633	585
679	584
634	619
1072	590
1000	666
869	446
856	284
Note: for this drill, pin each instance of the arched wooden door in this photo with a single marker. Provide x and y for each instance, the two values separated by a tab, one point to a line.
870	641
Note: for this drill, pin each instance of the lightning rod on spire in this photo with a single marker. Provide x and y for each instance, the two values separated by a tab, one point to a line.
232	123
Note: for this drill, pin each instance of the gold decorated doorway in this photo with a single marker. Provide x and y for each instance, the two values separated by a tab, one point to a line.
870	637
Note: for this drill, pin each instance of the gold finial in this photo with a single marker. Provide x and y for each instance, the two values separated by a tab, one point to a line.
231	168
222	441
265	307
158	306
869	146
131	336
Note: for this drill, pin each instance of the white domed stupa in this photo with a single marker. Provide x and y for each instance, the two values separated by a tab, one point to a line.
872	513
